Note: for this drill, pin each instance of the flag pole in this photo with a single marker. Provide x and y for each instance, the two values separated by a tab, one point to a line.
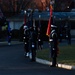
25	18
52	2
39	21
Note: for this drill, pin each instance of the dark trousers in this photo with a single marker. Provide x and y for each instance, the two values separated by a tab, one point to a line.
33	51
54	61
33	54
26	47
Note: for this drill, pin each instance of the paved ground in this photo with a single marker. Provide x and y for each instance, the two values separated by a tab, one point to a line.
12	62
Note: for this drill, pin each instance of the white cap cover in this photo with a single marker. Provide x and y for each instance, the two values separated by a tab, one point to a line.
25	27
53	26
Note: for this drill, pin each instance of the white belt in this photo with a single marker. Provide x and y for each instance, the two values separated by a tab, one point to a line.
33	46
25	43
39	40
50	39
24	37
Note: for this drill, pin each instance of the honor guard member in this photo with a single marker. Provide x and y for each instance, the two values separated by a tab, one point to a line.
53	45
68	34
40	41
9	33
33	44
26	41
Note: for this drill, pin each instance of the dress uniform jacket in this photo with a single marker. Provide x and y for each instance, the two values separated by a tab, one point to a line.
40	41
26	41
53	43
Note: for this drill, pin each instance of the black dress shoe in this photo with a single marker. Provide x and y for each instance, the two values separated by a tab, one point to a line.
53	66
33	60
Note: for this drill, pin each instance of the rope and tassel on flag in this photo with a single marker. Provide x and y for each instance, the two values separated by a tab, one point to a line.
49	22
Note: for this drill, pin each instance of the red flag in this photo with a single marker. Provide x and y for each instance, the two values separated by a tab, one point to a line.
49	23
48	28
51	8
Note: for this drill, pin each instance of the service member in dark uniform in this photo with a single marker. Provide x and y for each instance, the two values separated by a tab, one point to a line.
53	45
68	33
40	40
26	41
9	37
33	39
9	33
